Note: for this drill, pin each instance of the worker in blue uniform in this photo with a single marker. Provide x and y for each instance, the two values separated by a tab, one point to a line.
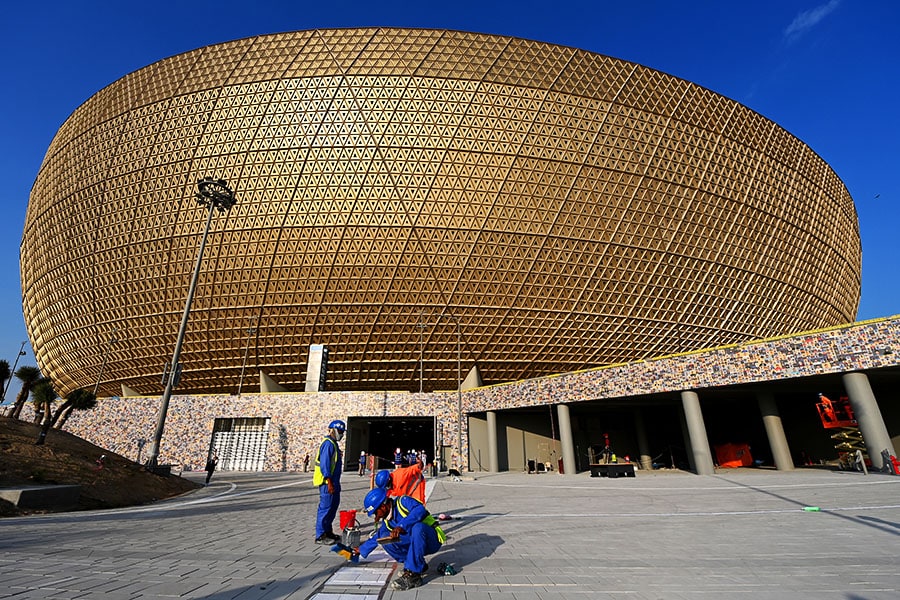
413	534
327	476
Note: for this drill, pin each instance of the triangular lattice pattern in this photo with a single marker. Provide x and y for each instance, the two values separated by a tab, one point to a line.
408	195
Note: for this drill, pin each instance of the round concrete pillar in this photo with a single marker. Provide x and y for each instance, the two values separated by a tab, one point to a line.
565	438
781	454
868	416
493	455
693	417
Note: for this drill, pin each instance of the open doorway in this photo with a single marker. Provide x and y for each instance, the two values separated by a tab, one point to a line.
381	436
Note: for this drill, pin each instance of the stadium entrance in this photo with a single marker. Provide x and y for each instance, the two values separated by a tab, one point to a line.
380	436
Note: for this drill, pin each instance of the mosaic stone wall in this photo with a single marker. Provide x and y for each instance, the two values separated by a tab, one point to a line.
859	346
117	424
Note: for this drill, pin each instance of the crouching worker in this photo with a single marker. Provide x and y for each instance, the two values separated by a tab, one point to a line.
408	532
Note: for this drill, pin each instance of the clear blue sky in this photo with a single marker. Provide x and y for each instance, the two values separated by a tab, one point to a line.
828	71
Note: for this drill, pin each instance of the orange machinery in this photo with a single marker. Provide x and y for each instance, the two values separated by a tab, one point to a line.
835	414
848	439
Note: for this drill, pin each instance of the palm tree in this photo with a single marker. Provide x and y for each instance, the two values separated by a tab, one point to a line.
28	376
44	395
78	400
4	375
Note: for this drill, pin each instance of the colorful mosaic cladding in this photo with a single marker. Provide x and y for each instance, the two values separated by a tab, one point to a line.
420	194
118	424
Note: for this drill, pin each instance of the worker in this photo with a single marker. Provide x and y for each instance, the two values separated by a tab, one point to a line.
362	463
211	463
413	534
828	408
405	481
327	477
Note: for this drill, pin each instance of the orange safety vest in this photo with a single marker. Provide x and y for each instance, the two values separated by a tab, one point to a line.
408	481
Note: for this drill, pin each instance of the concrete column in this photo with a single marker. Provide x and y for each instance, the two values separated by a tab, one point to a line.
868	416
775	432
646	461
493	455
686	437
697	431
565	438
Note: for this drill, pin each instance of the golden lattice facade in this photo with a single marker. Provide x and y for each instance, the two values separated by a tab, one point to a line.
408	195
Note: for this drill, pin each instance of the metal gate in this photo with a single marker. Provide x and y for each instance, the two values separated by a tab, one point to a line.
241	443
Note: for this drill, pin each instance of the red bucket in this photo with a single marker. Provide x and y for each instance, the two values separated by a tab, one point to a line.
348	518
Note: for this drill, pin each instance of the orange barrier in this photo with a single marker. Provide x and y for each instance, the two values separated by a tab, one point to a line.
732	456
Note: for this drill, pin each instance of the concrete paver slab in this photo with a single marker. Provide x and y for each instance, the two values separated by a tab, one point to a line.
742	533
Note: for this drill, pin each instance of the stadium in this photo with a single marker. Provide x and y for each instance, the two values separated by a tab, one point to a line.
428	205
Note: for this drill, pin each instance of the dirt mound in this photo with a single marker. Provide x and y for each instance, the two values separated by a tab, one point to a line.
67	459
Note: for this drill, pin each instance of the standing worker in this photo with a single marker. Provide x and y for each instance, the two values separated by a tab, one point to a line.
327	476
211	463
362	463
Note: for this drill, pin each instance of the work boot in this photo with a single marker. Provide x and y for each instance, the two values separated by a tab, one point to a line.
407	581
407	572
332	536
324	539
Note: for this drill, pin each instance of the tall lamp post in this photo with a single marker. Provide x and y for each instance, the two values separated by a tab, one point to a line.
250	332
13	372
421	350
216	195
459	419
112	340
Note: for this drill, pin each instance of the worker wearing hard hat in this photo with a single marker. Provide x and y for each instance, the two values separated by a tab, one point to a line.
327	476
408	532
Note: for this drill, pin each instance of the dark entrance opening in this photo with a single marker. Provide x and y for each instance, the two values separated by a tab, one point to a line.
380	436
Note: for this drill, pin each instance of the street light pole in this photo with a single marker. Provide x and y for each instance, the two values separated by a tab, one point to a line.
112	340
13	372
250	331
458	390
215	194
421	350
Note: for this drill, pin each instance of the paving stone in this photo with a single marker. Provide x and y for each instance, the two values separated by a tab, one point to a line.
514	537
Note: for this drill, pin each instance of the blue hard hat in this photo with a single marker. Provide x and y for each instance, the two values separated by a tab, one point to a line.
383	479
338	424
374	499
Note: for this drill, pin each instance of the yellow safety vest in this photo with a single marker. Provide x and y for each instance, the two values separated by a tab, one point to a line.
318	476
428	520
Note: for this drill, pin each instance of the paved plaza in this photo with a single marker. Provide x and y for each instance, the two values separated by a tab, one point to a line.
249	536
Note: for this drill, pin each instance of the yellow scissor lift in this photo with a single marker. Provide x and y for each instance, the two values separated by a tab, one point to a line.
848	440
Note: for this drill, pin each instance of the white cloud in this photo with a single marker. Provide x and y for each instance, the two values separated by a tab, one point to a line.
810	18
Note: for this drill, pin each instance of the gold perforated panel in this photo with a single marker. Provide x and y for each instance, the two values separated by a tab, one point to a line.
567	209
